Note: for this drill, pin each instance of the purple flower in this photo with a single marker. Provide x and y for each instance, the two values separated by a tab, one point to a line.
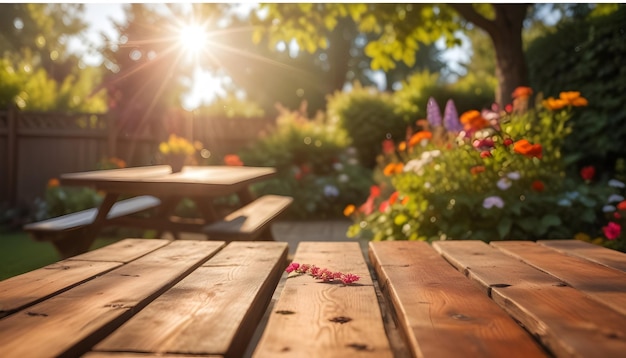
451	118
433	113
492	201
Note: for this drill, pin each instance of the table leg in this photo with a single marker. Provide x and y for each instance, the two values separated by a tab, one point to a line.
245	196
166	209
93	230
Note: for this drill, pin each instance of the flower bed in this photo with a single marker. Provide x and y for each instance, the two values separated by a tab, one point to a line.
489	175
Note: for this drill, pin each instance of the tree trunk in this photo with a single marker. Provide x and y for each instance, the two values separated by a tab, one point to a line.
505	31
511	70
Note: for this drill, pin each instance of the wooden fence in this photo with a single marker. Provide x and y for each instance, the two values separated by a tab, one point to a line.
37	146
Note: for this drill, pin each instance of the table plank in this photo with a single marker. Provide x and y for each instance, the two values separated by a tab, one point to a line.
73	321
567	322
123	251
35	286
577	272
315	319
441	312
232	288
589	251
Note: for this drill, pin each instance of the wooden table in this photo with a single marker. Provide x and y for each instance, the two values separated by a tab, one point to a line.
201	184
149	298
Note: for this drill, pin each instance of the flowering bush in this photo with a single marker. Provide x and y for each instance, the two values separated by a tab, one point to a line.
489	175
314	165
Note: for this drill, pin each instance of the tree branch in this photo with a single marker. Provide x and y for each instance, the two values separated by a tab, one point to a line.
468	12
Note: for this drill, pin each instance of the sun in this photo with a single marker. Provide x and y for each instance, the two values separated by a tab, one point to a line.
193	38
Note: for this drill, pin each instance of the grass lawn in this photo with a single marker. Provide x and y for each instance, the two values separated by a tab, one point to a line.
19	253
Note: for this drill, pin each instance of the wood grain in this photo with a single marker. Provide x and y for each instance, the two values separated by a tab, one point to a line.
214	310
588	251
441	312
29	288
70	323
316	319
124	250
566	321
577	272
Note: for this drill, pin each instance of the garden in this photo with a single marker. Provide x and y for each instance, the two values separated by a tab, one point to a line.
429	159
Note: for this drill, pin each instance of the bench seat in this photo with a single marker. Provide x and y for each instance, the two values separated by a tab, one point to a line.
62	229
250	222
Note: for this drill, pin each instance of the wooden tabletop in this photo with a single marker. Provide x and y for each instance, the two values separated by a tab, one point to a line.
157	180
149	298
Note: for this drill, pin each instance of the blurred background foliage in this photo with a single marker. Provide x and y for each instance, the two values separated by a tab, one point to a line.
364	76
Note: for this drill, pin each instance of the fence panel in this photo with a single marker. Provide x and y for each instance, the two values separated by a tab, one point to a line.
35	146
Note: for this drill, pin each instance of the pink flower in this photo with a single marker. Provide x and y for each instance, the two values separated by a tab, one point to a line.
612	231
321	273
349	278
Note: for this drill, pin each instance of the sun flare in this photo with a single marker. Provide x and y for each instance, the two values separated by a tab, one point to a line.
193	38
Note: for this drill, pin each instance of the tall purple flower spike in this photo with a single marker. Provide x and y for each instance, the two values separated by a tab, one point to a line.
433	113
451	118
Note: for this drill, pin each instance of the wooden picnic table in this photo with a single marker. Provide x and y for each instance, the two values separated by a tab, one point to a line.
147	188
156	298
200	184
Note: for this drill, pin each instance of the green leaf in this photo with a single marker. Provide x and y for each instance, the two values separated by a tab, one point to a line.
504	227
550	220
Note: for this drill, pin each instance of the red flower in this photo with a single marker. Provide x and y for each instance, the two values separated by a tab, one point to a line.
232	160
622	205
485	154
588	172
388	146
612	231
524	147
538	185
507	142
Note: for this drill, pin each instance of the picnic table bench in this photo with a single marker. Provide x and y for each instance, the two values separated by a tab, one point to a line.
155	190
149	298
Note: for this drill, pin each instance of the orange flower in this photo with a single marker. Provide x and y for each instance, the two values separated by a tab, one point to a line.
477	169
393	168
53	183
233	160
349	210
522	92
393	198
568	98
524	147
622	205
538	185
473	120
554	104
402	146
573	98
419	136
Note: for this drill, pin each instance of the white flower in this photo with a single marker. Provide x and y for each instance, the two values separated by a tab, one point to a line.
331	191
504	183
338	166
564	202
572	195
514	175
492	201
608	209
615	198
616	183
343	178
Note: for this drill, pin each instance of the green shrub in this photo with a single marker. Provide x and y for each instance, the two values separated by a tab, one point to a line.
369	117
467	93
500	178
587	55
314	163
